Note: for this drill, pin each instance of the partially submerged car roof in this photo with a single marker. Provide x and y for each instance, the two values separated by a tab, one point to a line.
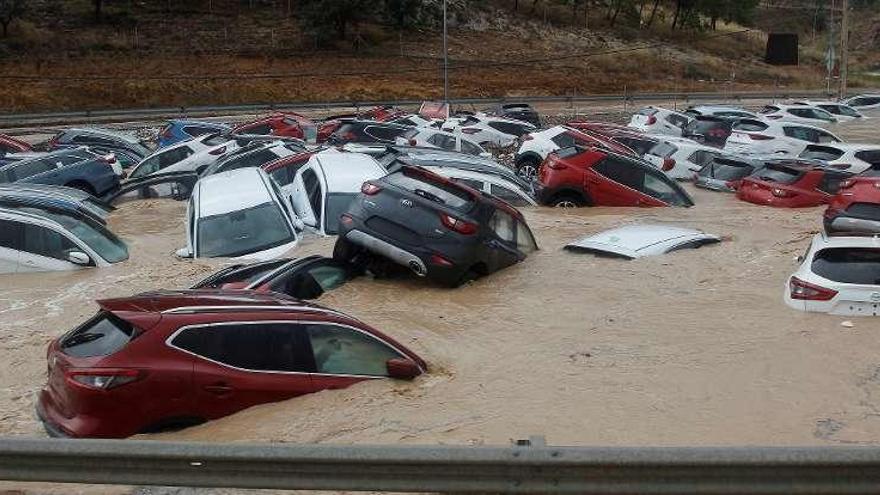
232	191
636	241
206	300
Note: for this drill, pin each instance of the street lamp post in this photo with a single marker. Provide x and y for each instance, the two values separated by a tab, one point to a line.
445	59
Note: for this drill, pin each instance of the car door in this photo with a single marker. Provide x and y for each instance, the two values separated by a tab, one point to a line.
175	185
10	245
44	249
344	355
300	196
241	364
513	197
42	171
501	241
615	182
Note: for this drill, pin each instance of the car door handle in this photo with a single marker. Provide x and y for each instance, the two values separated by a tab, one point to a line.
218	389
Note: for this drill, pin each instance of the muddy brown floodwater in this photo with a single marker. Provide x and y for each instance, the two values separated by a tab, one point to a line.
692	348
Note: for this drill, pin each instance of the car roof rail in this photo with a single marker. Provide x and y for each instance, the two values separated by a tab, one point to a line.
245	308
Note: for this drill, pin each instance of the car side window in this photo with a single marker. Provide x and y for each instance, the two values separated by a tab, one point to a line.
507	195
10	234
147	167
508	128
676	120
385	134
503	225
825	137
470	149
259	129
279	347
801	133
622	172
443	141
564	140
29	169
313	191
282	176
345	351
46	242
830	182
174	156
478	185
701	157
872	157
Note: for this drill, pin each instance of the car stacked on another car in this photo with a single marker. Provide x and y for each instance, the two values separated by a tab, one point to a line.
435	138
515	111
192	155
282	124
366	131
435	227
105	139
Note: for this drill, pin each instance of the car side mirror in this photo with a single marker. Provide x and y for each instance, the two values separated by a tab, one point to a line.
78	258
402	369
183	252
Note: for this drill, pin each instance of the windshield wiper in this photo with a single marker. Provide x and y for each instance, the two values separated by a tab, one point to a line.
82	338
429	196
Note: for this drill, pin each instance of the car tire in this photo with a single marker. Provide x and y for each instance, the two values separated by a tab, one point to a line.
470	275
527	168
346	251
568	201
82	186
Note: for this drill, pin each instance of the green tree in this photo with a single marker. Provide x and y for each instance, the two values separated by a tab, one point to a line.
11	10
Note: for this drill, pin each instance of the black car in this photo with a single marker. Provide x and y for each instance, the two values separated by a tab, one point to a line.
517	111
305	278
437	228
366	131
709	130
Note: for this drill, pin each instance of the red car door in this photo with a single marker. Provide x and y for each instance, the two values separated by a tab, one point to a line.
616	182
241	364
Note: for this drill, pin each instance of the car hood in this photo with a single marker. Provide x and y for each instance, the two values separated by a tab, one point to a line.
636	241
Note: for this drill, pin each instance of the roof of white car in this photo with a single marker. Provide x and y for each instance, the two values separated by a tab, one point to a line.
850	146
635	241
232	191
346	172
822	241
682	141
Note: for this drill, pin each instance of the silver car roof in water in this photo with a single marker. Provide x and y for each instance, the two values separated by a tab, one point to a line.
636	241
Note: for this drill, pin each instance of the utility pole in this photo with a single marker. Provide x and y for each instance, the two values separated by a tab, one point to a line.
844	47
445	59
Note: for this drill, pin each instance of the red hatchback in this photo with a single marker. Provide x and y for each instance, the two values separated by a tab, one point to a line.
176	358
282	124
578	176
790	184
855	209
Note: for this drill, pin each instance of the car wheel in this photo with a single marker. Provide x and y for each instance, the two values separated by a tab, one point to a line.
527	169
345	251
568	201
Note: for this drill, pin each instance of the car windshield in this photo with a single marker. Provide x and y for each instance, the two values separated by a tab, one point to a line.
242	232
96	236
778	174
337	204
723	169
848	265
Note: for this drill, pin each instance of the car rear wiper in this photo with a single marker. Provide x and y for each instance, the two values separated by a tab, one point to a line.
429	196
82	338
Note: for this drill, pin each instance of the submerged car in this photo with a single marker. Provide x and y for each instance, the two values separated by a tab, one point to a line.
287	124
838	275
78	168
176	131
801	114
863	103
577	176
791	184
239	214
855	209
433	226
175	358
656	120
51	236
679	158
17	193
535	147
709	130
637	241
304	278
851	157
97	137
725	173
769	137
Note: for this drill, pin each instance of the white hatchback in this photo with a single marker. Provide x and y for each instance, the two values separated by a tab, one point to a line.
186	156
239	214
680	158
433	138
801	114
839	275
752	136
852	157
656	120
488	130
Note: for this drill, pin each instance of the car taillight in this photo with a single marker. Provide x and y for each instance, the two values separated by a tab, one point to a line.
438	259
668	164
218	151
527	137
470	130
718	133
781	193
412	142
102	378
346	219
108	159
806	291
760	137
370	189
458	225
652	120
731	184
846	184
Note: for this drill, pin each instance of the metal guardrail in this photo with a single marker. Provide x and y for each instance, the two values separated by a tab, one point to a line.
111	115
515	469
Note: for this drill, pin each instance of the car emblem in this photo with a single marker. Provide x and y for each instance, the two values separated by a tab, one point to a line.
875	296
406	202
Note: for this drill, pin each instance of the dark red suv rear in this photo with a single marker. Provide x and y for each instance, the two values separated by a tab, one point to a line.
579	176
790	184
855	209
167	359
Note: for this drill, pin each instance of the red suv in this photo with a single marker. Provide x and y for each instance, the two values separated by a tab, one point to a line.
175	358
790	184
579	176
281	124
9	144
855	209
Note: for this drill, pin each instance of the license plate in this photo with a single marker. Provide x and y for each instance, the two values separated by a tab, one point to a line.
857	308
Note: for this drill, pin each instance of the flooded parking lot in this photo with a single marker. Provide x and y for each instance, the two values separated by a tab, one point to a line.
692	348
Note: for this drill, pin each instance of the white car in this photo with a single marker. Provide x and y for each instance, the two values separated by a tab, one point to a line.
841	111
489	184
760	137
799	114
239	214
484	129
852	157
253	154
656	120
537	145
727	111
862	103
186	156
322	185
36	239
416	121
680	158
434	138
838	275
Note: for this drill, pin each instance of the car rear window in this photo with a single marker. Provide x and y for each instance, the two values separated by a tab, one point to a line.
102	335
434	190
848	265
778	174
410	133
663	149
725	169
826	153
